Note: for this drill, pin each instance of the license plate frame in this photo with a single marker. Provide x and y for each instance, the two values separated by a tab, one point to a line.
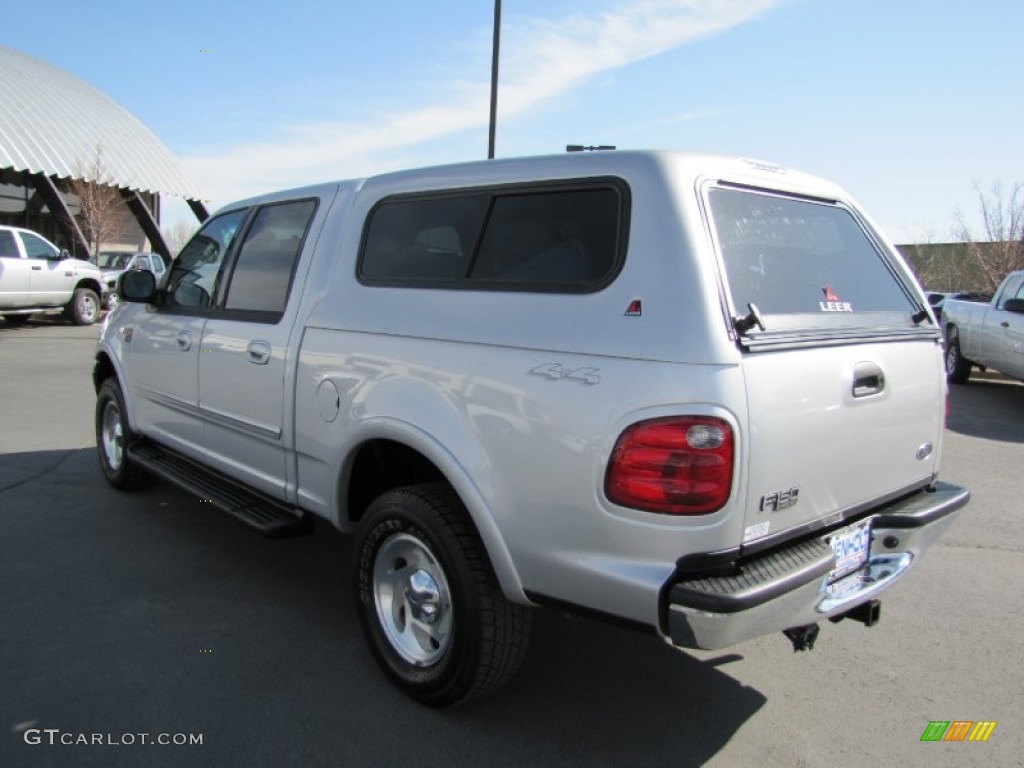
852	548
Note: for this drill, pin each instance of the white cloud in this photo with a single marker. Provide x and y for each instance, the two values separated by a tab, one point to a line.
541	60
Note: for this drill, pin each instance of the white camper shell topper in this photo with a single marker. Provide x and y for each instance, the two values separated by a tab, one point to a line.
699	395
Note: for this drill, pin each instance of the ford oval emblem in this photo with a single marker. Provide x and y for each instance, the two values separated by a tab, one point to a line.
924	451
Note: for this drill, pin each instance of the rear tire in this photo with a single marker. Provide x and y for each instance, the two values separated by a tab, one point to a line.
113	435
429	603
958	367
84	307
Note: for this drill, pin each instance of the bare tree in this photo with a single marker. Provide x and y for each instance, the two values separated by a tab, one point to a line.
177	234
942	266
100	206
1000	247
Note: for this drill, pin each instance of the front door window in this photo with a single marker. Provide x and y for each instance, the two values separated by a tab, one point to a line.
193	280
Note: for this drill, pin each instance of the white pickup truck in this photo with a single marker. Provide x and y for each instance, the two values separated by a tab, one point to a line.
988	334
701	396
36	276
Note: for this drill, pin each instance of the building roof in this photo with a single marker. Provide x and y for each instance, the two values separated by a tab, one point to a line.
51	122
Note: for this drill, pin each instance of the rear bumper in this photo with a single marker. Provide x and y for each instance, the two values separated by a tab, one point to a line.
788	587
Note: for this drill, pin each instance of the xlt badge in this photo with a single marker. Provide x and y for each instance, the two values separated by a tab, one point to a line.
784	499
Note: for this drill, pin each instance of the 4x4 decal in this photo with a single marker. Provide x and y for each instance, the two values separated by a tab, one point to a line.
558	372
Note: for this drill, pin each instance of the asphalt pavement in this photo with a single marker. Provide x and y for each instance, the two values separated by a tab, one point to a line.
127	619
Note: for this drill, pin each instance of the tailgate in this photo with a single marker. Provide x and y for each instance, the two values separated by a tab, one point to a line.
833	429
843	370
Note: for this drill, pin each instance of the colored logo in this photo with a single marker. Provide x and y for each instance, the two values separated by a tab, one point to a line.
833	303
958	730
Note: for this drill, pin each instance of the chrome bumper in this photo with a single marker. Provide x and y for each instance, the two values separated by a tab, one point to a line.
788	587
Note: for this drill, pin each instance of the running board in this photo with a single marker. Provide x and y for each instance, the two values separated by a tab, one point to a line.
257	510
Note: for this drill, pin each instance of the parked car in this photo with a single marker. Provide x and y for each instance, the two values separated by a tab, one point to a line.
937	300
696	395
986	331
113	264
37	276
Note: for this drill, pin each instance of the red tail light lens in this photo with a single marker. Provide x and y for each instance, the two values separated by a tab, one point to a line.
676	466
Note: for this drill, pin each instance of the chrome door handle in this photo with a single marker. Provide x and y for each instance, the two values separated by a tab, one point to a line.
868	379
259	352
184	340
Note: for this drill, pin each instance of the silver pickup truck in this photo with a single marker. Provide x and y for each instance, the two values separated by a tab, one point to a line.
989	334
698	395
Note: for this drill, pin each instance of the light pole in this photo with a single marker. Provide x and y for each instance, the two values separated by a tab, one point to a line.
494	77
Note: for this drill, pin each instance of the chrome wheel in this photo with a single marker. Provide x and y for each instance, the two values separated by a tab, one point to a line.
413	599
112	436
958	367
429	602
87	308
112	301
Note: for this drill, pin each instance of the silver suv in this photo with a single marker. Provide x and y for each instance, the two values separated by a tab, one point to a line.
36	276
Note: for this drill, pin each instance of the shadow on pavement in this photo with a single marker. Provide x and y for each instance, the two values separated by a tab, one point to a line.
988	407
149	612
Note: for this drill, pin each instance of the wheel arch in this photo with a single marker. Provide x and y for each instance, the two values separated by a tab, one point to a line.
391	454
92	284
105	366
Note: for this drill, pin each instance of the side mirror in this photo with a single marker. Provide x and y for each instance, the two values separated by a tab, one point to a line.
59	255
1014	305
137	285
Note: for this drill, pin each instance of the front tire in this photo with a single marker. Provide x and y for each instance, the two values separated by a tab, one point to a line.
113	435
958	367
84	307
429	603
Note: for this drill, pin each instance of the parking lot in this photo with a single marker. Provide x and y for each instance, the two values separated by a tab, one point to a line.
150	613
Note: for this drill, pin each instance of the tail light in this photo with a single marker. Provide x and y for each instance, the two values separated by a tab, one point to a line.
680	465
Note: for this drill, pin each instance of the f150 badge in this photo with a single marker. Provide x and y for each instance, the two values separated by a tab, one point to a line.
784	499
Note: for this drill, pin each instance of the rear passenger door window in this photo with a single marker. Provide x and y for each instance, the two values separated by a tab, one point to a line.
561	237
261	278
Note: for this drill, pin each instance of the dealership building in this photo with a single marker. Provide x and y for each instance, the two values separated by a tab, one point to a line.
65	148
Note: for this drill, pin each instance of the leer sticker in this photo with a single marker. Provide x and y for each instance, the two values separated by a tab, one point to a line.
833	303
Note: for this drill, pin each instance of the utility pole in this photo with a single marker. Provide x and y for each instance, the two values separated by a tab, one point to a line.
494	77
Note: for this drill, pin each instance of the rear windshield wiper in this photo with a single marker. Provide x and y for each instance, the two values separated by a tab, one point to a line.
748	321
920	316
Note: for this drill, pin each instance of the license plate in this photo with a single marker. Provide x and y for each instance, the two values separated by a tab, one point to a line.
851	546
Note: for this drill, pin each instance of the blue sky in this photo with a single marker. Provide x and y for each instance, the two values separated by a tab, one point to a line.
906	104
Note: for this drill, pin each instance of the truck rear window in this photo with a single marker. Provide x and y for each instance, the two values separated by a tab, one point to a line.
562	237
808	263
